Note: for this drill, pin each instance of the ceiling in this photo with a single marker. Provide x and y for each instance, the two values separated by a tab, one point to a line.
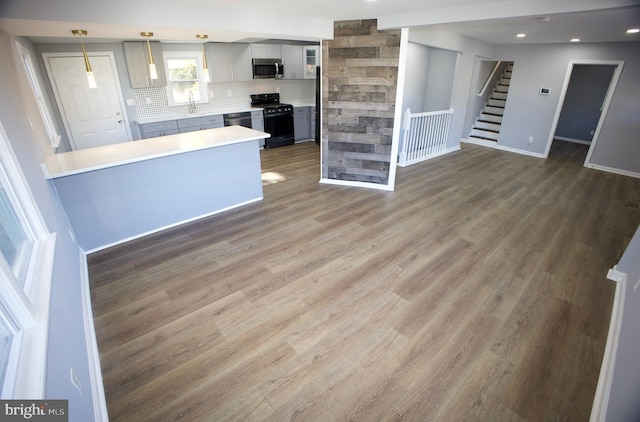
491	21
608	25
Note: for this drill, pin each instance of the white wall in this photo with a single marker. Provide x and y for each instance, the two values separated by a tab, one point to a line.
623	402
468	49
529	114
66	341
415	83
441	71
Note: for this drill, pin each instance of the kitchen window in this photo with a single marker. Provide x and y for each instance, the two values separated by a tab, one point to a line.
26	265
45	111
185	78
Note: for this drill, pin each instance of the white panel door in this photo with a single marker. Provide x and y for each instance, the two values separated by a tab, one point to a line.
93	117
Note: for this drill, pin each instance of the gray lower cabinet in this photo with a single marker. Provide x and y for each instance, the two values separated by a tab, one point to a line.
302	123
136	55
171	127
257	123
153	130
200	123
257	120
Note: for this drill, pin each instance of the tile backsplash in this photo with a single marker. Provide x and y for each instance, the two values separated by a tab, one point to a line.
152	104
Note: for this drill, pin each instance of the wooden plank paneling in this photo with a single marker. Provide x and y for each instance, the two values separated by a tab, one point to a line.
360	75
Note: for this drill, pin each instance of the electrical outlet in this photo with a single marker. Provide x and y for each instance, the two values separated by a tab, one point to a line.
530	140
592	132
76	382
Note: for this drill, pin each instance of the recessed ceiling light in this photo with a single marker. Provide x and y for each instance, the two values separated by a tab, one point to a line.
633	30
575	39
521	35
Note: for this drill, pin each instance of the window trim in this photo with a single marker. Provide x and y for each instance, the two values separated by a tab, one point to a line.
45	111
29	307
202	85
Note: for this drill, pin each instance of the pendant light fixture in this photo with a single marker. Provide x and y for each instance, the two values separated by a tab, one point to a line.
153	73
205	68
90	77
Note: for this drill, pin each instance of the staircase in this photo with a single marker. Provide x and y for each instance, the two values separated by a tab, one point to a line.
487	125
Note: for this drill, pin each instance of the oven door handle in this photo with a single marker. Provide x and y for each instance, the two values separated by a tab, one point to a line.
285	114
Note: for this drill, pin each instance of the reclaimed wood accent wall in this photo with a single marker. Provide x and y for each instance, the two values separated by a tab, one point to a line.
360	78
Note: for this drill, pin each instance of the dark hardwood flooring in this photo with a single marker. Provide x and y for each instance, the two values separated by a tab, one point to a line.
475	291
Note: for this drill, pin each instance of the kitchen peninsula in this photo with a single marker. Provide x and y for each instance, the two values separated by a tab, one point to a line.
120	192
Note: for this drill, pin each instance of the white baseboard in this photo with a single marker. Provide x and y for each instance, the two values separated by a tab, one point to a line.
603	389
95	370
502	148
356	184
613	170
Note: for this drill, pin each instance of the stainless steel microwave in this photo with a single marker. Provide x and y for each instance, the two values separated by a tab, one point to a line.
267	68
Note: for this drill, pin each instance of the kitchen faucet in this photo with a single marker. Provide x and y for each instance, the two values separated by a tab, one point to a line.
192	104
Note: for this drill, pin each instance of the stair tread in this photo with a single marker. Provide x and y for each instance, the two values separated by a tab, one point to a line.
483	138
484	129
488	123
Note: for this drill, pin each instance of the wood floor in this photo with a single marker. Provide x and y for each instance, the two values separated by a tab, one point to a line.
476	291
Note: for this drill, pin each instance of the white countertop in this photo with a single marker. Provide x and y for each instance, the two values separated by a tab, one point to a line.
81	161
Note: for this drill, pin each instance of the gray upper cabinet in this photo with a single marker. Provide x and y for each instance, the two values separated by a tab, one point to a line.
292	60
137	57
266	51
228	62
241	61
311	59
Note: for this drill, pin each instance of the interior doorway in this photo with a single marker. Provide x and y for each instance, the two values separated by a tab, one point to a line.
584	101
92	116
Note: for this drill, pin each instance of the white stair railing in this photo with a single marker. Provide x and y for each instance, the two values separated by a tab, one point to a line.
486	83
425	136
